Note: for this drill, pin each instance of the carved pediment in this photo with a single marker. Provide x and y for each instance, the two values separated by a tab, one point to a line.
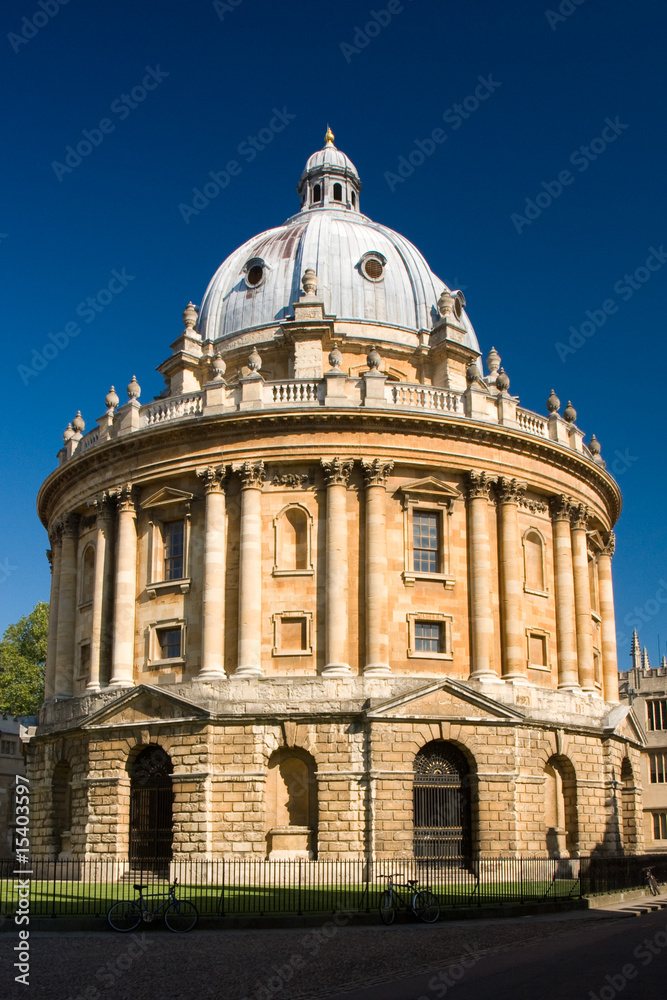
444	699
622	721
145	704
167	497
430	489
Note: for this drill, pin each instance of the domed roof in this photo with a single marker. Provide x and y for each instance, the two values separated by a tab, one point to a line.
258	283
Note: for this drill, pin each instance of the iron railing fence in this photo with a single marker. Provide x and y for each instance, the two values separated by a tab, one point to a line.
245	887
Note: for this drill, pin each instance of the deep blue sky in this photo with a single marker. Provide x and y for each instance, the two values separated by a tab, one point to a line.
559	80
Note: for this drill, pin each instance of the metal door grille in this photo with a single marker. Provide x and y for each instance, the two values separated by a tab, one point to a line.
441	804
151	804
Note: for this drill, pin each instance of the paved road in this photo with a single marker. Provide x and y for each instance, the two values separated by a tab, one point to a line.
541	958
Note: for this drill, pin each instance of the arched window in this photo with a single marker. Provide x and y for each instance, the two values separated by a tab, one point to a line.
291	805
441	803
61	798
354	200
87	575
317	193
533	556
151	805
560	807
292	529
338	192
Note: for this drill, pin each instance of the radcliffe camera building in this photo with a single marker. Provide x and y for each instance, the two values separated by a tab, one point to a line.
335	593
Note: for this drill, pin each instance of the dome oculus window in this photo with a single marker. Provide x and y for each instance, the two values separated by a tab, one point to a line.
254	272
372	266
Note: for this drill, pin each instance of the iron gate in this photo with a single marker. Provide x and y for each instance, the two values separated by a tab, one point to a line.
441	804
151	804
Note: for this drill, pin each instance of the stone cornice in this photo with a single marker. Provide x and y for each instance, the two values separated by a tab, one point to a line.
246	427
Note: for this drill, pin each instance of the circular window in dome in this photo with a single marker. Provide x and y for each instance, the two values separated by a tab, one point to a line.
457	308
372	266
254	272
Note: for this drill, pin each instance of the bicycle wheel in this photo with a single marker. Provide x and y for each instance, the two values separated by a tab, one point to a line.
426	906
387	907
180	916
124	916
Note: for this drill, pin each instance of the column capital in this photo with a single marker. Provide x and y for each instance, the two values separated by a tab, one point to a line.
125	497
213	478
337	471
252	475
477	484
510	490
56	534
103	505
579	516
70	525
609	545
49	556
376	472
561	507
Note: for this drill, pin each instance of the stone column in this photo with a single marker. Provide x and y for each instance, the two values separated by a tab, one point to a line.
213	600
609	664
582	598
337	474
64	678
102	505
479	577
376	473
53	555
511	580
566	633
250	571
122	662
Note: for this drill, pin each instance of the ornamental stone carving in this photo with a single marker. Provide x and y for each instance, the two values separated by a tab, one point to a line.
126	498
509	490
295	480
252	475
579	516
610	544
376	472
102	504
534	506
70	525
337	471
562	507
212	478
477	484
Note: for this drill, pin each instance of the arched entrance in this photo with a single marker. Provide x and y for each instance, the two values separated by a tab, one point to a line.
151	804
560	808
441	803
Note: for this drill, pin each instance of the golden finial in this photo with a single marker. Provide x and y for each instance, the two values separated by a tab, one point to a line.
329	137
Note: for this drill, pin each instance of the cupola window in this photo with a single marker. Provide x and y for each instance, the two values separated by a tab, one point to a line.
338	192
254	272
317	192
372	266
354	200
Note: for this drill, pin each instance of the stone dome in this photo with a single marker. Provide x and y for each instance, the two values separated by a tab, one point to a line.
258	283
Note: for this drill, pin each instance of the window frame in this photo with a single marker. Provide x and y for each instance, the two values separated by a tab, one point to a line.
435	618
532	530
166	507
277	618
657	765
651	715
84	599
278	569
81	673
434	497
659	825
154	659
545	636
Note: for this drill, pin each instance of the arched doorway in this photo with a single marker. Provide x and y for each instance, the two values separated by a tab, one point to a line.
151	805
441	803
560	808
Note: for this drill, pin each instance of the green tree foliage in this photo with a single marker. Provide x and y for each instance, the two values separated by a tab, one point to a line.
22	660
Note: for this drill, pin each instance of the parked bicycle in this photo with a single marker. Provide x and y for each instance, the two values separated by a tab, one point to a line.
180	915
421	902
651	881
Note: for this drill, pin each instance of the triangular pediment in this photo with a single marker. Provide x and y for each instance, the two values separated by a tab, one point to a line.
622	721
167	497
145	704
444	699
429	488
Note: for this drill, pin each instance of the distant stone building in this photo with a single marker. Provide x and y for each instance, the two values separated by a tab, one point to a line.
645	689
11	764
333	594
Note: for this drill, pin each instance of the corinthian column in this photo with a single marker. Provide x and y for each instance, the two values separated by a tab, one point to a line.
52	641
66	608
337	474
250	571
582	598
566	632
479	577
376	473
102	505
122	664
213	600
609	664
511	586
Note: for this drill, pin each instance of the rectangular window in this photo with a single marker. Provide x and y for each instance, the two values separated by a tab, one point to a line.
169	641
84	662
658	768
428	637
292	633
537	649
426	544
660	826
657	714
174	536
7	747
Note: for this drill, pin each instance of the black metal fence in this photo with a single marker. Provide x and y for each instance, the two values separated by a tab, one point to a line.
242	887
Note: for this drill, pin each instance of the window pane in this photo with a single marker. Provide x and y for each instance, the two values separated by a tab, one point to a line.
657	714
169	641
173	550
660	826
428	637
658	767
425	541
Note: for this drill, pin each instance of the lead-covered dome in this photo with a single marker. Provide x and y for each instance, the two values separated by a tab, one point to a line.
366	272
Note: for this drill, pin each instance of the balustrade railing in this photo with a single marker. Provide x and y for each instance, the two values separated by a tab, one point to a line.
424	397
291	393
532	423
173	408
